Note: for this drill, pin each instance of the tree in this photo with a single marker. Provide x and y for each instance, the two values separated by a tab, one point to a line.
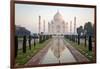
79	31
89	28
94	30
85	33
89	32
24	44
16	45
40	38
29	42
34	42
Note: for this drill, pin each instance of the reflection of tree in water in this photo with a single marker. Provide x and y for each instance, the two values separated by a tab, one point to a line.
58	48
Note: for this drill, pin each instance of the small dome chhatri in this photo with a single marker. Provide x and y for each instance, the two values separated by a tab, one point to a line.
58	16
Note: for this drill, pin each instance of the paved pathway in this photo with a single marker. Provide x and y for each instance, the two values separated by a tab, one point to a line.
57	51
78	56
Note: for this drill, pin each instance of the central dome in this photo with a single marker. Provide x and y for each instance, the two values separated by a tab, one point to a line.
58	16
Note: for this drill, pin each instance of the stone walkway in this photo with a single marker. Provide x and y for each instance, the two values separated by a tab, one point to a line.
78	56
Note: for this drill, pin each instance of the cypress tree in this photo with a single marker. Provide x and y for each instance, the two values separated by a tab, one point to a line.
16	45
24	44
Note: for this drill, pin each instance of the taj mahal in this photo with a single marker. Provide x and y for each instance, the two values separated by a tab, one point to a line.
57	26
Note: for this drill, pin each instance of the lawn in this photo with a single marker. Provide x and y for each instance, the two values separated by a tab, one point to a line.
83	50
22	58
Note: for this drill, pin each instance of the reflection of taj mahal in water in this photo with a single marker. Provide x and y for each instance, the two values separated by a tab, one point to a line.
57	25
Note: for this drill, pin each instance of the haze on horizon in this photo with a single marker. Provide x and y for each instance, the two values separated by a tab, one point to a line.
27	15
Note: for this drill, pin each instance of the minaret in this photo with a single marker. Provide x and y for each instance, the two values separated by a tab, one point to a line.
70	27
63	27
67	27
48	27
74	25
39	25
52	27
44	26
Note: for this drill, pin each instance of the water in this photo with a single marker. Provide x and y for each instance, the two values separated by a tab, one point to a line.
57	53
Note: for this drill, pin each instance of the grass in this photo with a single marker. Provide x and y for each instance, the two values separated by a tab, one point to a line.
22	58
83	50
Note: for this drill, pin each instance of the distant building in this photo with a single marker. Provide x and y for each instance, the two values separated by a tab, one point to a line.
21	31
35	35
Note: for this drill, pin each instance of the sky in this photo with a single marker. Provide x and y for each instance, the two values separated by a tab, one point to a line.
27	15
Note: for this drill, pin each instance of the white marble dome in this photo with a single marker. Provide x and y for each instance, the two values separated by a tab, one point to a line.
58	17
